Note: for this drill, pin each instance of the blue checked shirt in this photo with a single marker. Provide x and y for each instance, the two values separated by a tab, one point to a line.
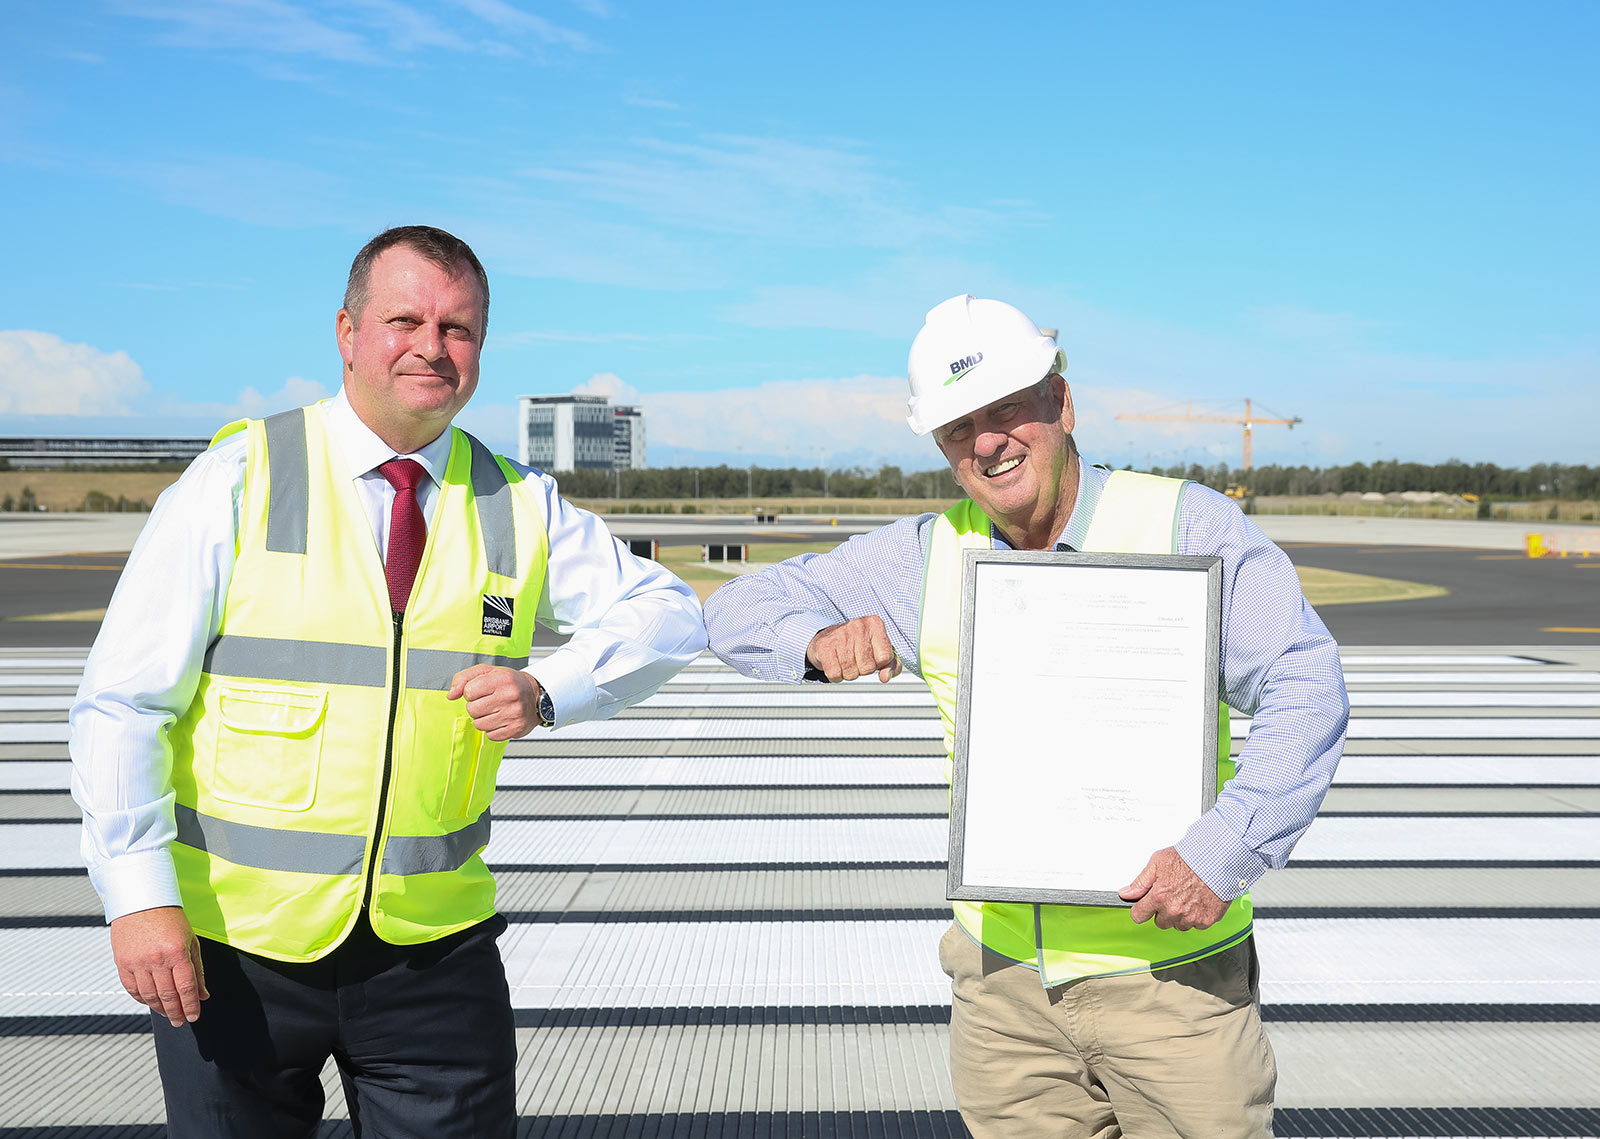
1279	663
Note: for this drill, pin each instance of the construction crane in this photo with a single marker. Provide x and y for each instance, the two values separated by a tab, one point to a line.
1188	416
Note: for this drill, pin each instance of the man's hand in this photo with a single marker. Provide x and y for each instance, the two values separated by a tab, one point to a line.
158	959
855	648
503	702
1167	890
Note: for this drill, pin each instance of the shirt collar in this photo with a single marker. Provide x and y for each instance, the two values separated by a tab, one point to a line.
365	452
1091	481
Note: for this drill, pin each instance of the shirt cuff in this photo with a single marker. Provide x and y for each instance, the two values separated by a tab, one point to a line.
791	638
568	679
134	882
1219	857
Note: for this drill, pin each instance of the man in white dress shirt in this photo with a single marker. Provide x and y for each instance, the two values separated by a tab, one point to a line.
289	725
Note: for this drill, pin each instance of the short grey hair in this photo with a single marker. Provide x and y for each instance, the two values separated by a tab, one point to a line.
445	250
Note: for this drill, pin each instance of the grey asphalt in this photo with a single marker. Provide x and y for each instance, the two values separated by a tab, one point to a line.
1496	596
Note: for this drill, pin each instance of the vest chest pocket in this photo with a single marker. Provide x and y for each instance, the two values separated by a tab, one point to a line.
269	747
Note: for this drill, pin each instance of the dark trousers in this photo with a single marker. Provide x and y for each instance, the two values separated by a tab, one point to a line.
423	1036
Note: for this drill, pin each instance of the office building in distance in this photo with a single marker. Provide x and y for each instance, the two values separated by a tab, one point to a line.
579	433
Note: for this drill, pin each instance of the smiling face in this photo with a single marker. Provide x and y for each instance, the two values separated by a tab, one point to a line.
411	354
1015	458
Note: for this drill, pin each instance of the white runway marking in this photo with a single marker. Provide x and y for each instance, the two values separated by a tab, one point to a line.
785	696
68	971
1487	698
918	771
1540	677
35	775
845	841
1463	728
1437	659
71	660
1472	769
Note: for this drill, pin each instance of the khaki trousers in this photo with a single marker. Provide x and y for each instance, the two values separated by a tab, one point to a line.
1179	1052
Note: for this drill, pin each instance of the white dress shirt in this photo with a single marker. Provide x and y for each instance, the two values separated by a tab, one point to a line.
632	625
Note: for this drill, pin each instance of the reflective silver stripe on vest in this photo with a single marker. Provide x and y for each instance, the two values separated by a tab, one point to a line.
299	852
432	669
289	496
310	662
435	854
492	492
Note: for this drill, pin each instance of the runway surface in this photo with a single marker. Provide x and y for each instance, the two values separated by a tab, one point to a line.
1496	596
725	904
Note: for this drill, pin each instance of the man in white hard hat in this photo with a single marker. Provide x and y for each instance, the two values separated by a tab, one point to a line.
1077	1020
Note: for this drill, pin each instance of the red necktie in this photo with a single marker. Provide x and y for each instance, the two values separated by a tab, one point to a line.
407	531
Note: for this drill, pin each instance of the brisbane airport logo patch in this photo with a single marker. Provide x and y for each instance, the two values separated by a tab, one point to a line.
961	367
496	616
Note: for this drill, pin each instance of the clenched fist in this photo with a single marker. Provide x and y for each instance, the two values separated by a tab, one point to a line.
503	702
855	648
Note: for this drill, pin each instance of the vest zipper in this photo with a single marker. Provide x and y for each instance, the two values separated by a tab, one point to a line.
388	768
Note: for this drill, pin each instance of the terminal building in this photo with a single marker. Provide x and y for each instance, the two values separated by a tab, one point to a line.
38	452
579	433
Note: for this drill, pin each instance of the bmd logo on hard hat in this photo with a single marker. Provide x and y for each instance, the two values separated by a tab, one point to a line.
961	367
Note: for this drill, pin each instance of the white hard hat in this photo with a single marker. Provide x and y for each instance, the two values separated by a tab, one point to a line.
971	352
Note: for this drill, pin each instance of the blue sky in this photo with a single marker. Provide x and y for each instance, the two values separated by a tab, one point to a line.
1377	217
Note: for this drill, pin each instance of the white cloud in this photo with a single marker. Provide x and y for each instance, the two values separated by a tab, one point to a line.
42	374
768	188
858	415
370	32
610	385
295	392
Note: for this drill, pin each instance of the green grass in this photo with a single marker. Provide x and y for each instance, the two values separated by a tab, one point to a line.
1331	587
1322	587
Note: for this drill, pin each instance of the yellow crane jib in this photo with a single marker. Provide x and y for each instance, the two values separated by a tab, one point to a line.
1247	421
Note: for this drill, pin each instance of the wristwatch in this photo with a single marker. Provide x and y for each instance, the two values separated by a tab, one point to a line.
547	710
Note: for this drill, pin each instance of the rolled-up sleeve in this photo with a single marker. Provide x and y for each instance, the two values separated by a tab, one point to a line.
762	623
1280	666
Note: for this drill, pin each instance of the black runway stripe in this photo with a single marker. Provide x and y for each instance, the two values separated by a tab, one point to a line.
723	867
904	913
827	816
1564	912
592	787
724	1016
700	816
1442	863
1288	1123
1432	1014
1573	814
736	867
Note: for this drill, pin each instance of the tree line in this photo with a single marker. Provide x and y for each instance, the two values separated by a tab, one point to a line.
758	482
1453	476
1486	480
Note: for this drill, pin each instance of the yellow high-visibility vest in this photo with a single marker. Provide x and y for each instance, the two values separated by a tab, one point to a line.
320	768
1136	514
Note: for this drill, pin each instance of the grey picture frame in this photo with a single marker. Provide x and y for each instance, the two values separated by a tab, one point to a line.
1206	758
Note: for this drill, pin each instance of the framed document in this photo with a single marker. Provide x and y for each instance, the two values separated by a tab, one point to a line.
1086	720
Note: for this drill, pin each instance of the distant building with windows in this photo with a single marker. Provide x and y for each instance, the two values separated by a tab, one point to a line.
35	452
579	433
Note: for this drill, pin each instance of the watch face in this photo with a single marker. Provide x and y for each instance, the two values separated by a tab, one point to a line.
547	708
